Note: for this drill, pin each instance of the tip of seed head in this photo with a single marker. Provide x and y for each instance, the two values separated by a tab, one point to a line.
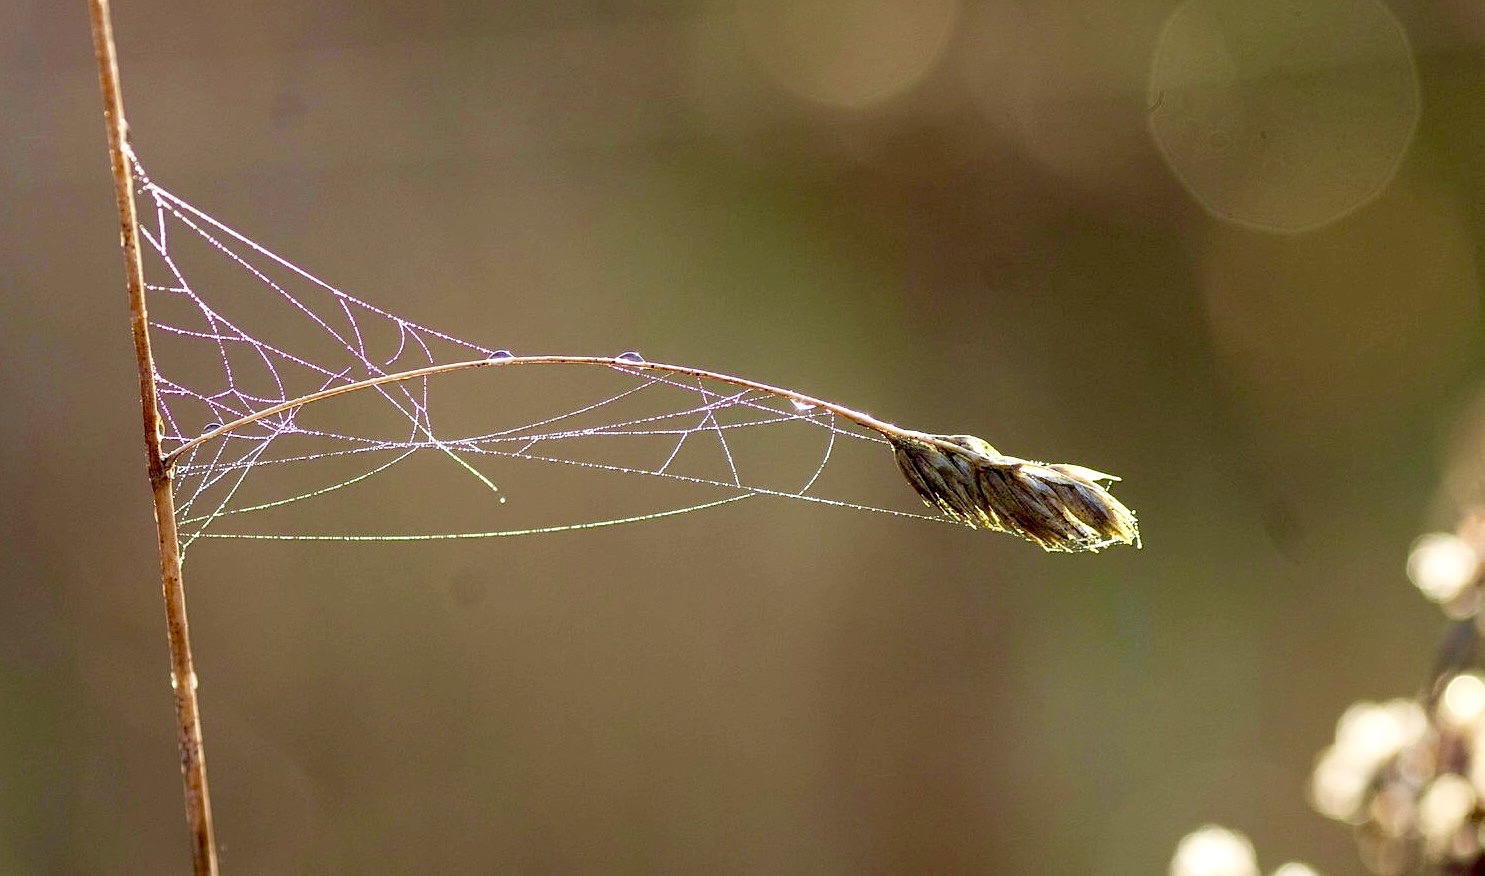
1060	507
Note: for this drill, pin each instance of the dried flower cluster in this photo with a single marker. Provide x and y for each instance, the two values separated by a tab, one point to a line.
1410	773
1060	507
1447	567
1410	776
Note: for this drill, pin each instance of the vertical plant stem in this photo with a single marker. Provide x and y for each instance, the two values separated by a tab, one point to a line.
182	671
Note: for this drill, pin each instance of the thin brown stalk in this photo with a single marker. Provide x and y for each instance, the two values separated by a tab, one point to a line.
182	671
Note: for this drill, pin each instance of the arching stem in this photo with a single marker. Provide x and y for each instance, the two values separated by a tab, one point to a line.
623	364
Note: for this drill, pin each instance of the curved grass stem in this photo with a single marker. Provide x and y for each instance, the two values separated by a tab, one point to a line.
858	417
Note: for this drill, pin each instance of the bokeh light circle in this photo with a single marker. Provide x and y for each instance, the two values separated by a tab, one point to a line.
1214	851
1279	115
847	53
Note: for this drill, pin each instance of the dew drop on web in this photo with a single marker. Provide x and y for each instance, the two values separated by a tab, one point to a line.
630	356
801	407
502	354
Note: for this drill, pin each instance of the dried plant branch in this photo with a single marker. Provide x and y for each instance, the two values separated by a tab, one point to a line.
1060	507
182	671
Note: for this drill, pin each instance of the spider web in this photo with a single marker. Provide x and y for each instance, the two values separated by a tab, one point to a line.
423	455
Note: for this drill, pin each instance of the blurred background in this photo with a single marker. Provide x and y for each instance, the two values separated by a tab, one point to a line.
1228	250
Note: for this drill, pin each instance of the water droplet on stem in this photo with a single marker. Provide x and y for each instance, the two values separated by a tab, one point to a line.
630	356
502	354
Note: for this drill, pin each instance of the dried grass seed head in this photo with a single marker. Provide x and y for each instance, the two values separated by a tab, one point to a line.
1060	507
